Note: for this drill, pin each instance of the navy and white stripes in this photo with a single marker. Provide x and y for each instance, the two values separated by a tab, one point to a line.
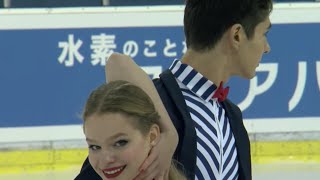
216	150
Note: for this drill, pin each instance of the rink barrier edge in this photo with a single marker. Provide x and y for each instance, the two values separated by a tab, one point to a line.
14	162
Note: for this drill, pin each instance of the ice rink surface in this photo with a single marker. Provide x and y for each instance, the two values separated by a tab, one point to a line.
287	171
276	171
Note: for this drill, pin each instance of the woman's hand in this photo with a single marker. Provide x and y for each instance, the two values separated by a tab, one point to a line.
157	164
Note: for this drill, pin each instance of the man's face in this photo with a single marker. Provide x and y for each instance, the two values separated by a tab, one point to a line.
253	49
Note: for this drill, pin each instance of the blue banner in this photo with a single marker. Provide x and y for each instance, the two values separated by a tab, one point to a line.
46	75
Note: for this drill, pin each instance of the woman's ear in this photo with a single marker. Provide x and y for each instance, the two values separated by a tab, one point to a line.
154	135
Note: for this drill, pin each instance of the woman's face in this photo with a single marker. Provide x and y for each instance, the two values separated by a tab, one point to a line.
116	148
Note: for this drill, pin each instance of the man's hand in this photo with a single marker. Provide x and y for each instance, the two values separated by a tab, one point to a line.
158	163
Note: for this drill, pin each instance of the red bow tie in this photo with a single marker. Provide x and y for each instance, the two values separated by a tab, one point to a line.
221	93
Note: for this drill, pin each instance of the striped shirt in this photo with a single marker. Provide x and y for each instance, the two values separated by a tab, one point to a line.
216	149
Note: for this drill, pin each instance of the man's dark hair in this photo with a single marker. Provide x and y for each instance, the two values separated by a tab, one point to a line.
205	21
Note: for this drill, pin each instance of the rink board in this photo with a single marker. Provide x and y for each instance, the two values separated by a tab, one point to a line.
15	162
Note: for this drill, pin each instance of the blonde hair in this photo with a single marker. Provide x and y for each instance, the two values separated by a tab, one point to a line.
175	173
128	99
125	98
